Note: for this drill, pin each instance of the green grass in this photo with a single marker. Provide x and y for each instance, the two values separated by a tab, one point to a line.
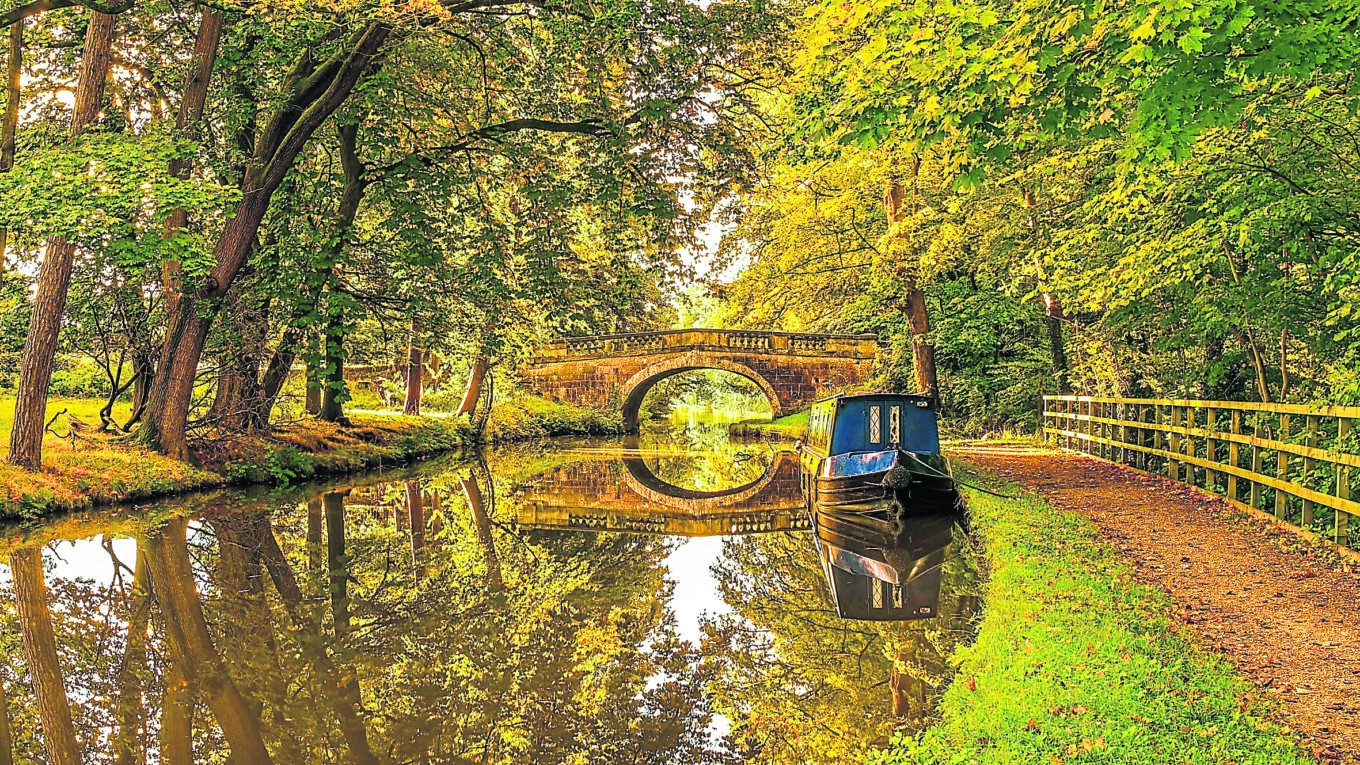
1076	662
789	426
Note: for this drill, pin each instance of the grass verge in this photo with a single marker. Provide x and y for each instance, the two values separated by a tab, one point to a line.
1077	662
789	426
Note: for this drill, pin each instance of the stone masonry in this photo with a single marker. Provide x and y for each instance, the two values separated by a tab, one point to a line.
614	372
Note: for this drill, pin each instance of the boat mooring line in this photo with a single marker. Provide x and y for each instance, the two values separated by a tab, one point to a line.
931	468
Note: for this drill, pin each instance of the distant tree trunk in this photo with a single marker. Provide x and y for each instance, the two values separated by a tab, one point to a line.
191	646
177	717
10	126
186	121
333	504
351	197
415	513
482	523
1258	363
128	745
415	367
332	407
40	649
144	372
918	319
476	376
54	278
1053	307
314	380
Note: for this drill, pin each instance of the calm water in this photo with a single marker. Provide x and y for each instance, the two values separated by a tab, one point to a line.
650	600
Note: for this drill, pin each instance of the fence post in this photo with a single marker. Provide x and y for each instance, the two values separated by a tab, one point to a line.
1188	417
1211	478
1173	465
1282	470
1234	453
1308	464
1341	533
1144	435
1255	469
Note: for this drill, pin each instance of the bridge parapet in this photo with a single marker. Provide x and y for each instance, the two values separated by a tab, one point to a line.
614	372
712	340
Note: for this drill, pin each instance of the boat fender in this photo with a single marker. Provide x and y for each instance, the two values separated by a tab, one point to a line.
899	477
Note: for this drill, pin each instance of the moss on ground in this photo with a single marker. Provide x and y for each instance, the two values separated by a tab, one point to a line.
1075	661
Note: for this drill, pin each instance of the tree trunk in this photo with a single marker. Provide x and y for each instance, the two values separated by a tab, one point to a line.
1053	307
276	150
476	376
482	523
186	120
415	367
333	504
922	350
10	126
128	745
415	514
191	646
313	382
1258	363
40	650
54	278
332	407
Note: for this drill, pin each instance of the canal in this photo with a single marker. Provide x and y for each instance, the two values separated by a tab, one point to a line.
657	599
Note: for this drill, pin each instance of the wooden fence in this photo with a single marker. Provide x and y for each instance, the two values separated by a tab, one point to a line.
1292	462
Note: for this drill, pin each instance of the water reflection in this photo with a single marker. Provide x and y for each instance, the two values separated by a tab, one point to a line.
518	608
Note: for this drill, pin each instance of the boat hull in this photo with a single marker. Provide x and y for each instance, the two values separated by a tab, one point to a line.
891	484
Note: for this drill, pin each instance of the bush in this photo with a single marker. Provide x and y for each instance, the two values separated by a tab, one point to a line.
533	417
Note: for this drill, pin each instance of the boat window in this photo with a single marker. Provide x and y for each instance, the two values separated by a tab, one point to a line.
895	425
875	424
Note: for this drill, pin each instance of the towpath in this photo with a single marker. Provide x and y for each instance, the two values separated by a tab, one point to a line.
1272	605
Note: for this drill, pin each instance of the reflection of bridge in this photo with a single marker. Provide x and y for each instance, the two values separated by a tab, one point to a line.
615	371
623	495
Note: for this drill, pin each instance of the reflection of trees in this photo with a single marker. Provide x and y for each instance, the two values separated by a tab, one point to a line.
701	456
392	623
802	685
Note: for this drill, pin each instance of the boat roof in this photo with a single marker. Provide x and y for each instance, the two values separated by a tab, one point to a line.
875	395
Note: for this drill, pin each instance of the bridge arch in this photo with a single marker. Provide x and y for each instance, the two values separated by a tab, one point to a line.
635	389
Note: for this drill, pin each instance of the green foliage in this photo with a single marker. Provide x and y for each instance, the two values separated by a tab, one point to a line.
1074	657
109	193
530	417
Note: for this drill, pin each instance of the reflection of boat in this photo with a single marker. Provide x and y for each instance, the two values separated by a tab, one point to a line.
883	578
877	456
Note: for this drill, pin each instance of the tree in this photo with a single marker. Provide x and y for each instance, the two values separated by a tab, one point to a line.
54	280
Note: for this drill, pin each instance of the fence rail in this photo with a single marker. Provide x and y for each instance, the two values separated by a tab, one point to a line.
1290	461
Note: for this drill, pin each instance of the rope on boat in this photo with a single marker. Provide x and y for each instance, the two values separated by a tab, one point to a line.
932	469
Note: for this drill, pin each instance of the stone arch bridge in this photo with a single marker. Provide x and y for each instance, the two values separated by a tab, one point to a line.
614	372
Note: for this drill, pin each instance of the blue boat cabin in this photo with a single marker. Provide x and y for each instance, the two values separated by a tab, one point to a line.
873	422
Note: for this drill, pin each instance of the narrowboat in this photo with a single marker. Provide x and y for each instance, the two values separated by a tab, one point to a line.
874	459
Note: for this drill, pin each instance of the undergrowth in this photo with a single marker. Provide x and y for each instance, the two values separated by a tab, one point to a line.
1076	662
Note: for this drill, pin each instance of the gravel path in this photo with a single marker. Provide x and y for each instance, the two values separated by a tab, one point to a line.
1263	599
